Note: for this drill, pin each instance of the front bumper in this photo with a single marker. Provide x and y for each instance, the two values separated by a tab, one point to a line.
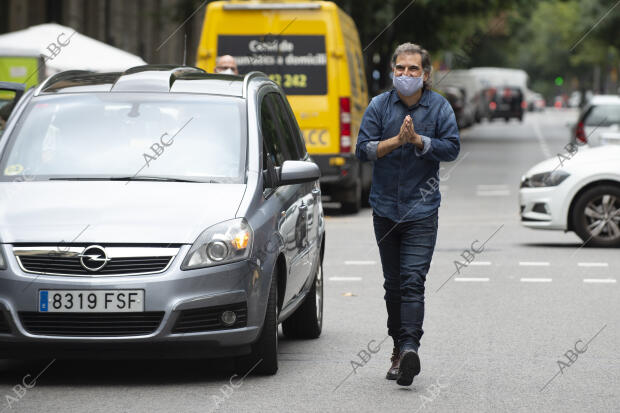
542	208
170	293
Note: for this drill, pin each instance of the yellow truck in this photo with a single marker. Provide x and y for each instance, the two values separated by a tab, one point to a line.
312	50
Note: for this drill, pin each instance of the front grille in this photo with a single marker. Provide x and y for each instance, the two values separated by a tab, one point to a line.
4	325
91	324
207	319
71	265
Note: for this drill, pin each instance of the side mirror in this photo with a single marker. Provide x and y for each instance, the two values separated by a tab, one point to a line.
296	172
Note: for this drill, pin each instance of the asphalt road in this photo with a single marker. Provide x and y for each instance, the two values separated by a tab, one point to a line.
496	333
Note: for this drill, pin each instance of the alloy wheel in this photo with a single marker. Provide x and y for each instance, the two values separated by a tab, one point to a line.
603	217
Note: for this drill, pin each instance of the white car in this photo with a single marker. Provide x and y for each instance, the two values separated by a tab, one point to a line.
578	191
599	122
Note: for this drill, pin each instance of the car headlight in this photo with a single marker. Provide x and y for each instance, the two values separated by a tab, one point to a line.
544	179
226	242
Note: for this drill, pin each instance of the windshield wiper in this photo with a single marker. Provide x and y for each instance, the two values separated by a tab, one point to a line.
123	178
149	178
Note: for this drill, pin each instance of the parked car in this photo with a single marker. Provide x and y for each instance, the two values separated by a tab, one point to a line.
160	210
455	97
535	101
560	101
470	88
580	193
494	81
598	122
505	102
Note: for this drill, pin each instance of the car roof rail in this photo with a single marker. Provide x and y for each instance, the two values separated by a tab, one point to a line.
58	77
150	78
248	77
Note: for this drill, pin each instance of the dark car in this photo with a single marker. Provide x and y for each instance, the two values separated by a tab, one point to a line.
456	98
505	102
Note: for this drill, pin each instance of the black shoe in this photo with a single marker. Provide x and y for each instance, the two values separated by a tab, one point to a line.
393	371
409	367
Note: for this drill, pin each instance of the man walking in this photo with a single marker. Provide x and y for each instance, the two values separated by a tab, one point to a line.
406	132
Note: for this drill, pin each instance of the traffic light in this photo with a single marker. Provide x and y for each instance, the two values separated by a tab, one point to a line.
559	81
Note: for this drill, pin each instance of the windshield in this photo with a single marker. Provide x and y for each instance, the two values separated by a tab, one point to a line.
129	136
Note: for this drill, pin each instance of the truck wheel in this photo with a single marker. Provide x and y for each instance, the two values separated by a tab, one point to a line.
307	320
596	216
264	357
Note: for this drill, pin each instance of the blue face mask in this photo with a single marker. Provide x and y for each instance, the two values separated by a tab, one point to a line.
407	85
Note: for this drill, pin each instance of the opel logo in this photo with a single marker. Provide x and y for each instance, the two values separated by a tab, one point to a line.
93	258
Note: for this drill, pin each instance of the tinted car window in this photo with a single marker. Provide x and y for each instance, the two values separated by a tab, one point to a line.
115	135
289	132
603	115
270	133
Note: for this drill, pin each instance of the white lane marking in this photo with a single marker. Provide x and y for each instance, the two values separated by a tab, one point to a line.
471	279
345	278
593	264
360	262
535	280
534	263
542	141
480	263
500	192
491	187
599	280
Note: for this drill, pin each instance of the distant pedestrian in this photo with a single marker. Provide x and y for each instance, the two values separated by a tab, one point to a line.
406	132
226	65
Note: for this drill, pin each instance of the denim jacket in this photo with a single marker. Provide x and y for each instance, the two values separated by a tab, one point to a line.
405	182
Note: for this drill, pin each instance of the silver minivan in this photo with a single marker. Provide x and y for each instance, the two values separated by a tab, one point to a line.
162	211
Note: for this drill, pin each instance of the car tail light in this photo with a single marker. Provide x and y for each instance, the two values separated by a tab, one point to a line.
492	105
345	125
523	104
580	133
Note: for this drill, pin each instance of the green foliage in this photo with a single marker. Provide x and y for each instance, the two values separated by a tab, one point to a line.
568	39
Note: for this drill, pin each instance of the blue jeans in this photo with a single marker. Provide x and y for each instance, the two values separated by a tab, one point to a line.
406	250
